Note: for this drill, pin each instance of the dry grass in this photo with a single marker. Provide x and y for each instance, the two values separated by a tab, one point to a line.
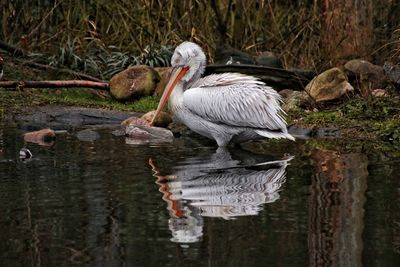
289	28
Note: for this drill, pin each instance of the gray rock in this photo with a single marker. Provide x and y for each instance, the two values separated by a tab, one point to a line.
392	72
369	76
141	134
118	132
294	101
285	93
358	66
329	85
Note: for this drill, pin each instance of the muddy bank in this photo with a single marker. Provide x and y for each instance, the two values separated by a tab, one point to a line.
64	118
332	125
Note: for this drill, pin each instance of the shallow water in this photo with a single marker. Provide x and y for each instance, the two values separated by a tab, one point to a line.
106	203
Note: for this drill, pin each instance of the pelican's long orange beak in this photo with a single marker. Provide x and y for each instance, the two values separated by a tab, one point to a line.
176	75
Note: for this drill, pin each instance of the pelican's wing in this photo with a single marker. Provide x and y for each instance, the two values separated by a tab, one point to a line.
236	100
224	79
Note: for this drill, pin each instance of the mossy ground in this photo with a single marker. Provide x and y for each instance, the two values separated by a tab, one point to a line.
361	120
16	100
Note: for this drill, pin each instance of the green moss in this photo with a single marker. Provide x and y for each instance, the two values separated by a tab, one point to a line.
358	119
391	131
145	104
372	108
322	118
13	101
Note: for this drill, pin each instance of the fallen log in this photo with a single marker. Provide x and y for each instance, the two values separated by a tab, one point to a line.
54	84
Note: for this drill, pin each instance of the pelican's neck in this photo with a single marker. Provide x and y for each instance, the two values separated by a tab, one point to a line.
196	74
176	99
175	102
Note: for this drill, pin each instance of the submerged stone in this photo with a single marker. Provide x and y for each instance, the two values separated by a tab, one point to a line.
139	131
44	137
87	135
163	119
135	121
141	134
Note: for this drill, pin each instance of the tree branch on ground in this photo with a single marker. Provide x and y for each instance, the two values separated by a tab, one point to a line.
54	84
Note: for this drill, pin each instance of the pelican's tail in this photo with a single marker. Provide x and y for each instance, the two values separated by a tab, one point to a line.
275	134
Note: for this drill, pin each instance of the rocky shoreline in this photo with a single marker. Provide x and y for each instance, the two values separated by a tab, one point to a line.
355	101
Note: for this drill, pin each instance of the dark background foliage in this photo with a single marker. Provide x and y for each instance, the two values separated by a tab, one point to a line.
305	33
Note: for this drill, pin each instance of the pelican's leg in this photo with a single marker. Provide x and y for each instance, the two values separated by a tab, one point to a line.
222	140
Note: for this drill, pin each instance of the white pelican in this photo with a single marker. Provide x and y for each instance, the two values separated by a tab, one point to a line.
229	107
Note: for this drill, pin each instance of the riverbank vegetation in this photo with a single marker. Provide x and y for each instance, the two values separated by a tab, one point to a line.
90	35
101	38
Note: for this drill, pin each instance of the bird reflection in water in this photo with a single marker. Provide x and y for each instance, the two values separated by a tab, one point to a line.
216	185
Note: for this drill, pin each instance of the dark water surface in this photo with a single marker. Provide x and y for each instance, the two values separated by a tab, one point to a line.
106	203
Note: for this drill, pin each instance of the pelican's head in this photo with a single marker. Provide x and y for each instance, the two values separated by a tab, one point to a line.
188	62
189	55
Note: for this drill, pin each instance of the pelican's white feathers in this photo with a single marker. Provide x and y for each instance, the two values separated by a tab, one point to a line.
225	79
235	100
224	107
